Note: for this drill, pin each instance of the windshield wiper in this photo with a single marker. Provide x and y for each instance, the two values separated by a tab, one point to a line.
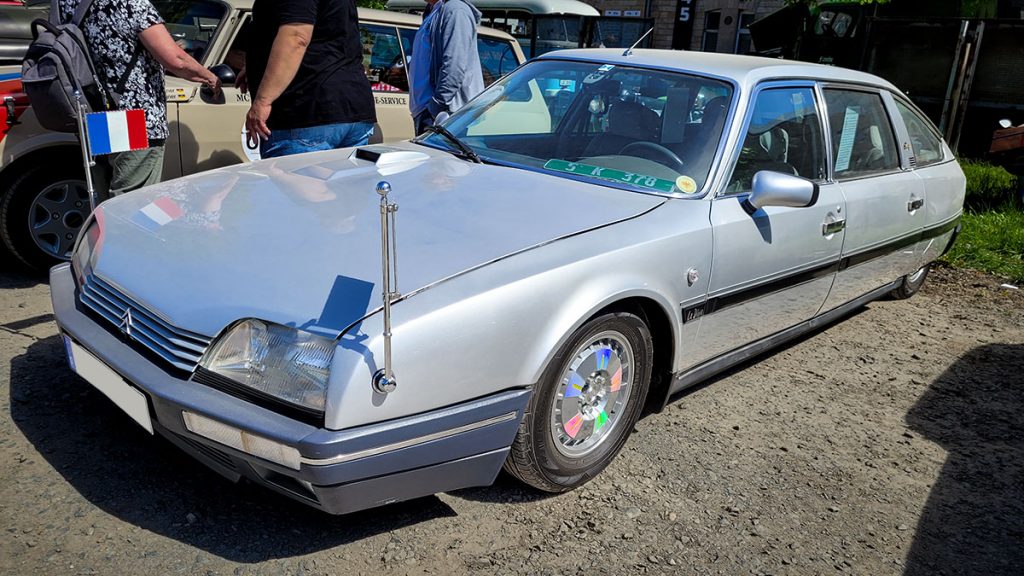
466	150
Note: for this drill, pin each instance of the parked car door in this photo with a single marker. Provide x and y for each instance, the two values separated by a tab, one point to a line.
772	269
206	127
933	162
885	199
384	60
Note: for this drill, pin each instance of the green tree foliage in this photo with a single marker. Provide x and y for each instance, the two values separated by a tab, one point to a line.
378	4
813	3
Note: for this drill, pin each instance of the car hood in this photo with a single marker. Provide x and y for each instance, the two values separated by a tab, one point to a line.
297	240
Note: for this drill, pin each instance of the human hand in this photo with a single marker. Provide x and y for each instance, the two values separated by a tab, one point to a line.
256	121
211	82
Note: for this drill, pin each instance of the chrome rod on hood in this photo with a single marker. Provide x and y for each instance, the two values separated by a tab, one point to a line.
384	380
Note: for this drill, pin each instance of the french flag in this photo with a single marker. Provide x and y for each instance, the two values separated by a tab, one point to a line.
118	131
157	213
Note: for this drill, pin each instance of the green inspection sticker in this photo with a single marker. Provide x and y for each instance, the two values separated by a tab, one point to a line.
633	178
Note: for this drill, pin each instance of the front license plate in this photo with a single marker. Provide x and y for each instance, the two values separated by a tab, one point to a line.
105	380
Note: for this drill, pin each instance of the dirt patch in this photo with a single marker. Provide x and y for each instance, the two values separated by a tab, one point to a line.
891	443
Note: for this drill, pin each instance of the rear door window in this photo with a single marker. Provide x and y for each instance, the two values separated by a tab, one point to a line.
383	60
863	141
926	143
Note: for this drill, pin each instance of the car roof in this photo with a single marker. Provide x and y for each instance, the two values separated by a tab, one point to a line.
745	70
532	6
371	15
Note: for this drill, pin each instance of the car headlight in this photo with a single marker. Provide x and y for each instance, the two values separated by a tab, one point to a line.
84	257
286	363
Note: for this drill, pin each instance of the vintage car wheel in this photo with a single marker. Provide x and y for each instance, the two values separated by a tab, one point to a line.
585	406
910	284
42	213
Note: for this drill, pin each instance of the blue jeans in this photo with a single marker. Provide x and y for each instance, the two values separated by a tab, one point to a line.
314	138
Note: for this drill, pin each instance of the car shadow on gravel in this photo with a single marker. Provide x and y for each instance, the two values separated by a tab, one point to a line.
654	408
14	275
973	521
505	490
145	480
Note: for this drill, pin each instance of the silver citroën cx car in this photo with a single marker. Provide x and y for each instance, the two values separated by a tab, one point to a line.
590	235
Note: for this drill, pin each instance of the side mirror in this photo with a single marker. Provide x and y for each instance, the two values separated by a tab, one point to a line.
778	189
225	73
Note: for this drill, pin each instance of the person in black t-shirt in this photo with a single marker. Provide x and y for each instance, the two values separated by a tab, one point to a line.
304	72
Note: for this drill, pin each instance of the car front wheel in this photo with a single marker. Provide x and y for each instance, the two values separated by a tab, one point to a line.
42	213
586	404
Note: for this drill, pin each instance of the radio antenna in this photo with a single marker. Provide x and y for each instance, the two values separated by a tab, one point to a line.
629	51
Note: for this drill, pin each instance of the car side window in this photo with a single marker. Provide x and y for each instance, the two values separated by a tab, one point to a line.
862	135
235	57
497	57
382	58
926	144
783	135
192	24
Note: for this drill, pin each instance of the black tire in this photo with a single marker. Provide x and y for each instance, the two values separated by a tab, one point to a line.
539	459
24	226
910	284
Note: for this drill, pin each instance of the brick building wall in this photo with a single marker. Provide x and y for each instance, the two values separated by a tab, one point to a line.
730	17
661	10
664	13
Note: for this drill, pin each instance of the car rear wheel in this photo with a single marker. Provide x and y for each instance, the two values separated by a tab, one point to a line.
42	213
910	284
586	404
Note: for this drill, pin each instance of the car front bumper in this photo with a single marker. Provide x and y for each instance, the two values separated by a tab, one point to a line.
339	471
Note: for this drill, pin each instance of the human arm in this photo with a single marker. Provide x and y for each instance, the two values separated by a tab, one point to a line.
457	38
242	81
286	55
158	42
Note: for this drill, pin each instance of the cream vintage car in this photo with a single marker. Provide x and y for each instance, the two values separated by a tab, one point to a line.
43	199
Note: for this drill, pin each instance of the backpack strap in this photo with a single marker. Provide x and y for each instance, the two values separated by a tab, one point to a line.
83	7
123	81
55	12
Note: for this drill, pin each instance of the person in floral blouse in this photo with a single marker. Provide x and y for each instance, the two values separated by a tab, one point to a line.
129	36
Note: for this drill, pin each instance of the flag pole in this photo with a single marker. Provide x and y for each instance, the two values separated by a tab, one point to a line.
87	158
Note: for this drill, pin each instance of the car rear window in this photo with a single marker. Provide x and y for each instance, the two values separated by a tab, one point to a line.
862	135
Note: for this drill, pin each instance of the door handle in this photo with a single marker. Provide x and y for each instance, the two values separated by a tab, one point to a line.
830	227
915	204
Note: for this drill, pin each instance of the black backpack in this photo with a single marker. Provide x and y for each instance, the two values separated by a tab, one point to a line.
58	73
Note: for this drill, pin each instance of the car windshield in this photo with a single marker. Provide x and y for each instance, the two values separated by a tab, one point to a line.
635	128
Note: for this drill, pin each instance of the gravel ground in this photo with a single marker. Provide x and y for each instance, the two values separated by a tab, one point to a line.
891	443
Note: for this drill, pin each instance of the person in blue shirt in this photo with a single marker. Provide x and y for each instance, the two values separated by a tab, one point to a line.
445	69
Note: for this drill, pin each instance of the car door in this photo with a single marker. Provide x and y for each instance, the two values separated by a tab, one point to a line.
885	200
384	60
202	28
210	128
772	269
934	164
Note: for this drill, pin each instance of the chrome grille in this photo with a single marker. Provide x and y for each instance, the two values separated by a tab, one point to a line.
181	348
